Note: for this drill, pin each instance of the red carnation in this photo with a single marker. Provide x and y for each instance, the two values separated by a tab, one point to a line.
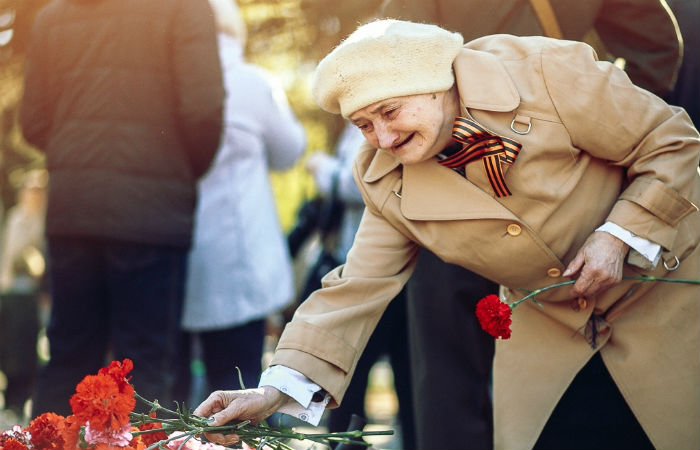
494	316
151	438
13	444
118	371
46	431
101	400
70	433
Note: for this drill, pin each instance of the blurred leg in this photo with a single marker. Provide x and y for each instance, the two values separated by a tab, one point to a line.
146	285
241	347
354	399
398	349
389	338
19	329
182	386
451	356
78	327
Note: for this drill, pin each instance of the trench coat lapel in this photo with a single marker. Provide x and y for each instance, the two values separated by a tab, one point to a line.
381	164
433	192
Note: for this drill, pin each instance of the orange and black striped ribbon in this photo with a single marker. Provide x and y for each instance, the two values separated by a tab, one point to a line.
480	144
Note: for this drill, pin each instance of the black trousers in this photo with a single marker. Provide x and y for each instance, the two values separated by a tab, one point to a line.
389	338
19	330
451	356
111	300
592	415
222	352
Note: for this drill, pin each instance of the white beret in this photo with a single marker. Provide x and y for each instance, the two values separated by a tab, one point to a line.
385	59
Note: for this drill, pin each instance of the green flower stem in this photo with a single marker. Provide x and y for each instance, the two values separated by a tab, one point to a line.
643	278
155	406
185	426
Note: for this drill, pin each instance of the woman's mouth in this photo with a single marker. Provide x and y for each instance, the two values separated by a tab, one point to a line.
404	142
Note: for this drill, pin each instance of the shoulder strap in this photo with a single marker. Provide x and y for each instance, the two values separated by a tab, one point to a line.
545	15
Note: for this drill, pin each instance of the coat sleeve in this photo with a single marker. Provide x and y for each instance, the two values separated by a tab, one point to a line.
644	32
36	110
331	328
613	120
198	81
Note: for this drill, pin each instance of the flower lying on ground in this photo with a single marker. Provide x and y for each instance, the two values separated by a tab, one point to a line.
494	314
104	419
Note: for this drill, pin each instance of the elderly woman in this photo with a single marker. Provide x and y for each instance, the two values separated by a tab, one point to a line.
531	163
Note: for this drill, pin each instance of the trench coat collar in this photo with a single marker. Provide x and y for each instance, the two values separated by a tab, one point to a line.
483	83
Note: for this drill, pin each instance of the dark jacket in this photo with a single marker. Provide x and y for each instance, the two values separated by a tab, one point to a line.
641	31
125	97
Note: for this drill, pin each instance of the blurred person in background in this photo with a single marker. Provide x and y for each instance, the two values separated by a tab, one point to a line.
686	91
23	289
239	269
125	98
439	291
333	176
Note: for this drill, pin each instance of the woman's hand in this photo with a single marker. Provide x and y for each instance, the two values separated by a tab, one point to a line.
248	404
599	264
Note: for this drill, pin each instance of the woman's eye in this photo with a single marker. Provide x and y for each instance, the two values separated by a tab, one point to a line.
390	112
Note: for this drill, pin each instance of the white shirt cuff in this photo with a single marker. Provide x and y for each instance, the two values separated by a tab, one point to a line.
639	246
300	389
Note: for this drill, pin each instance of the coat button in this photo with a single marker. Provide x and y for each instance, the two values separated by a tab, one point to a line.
513	229
578	304
553	272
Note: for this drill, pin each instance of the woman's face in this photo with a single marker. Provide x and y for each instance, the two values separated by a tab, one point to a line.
414	128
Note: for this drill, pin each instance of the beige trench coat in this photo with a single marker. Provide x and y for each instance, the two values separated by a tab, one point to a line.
598	149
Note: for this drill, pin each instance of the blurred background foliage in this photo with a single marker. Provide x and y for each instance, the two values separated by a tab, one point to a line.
287	37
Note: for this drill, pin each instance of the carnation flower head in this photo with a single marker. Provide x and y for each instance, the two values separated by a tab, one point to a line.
111	438
13	444
70	432
99	400
494	316
119	371
152	438
46	431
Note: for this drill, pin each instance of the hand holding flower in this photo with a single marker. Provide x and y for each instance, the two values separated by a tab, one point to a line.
494	314
254	405
599	261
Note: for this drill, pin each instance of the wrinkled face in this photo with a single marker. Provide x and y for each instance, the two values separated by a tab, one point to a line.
414	128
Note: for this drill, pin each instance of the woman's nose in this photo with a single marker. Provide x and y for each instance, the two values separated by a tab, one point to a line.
386	136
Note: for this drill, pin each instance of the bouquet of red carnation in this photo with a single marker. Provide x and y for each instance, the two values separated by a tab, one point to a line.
104	419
